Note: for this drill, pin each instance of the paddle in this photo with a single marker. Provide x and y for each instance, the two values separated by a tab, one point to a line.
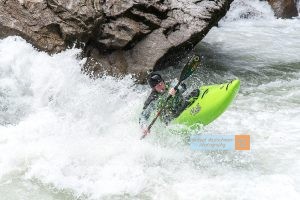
188	69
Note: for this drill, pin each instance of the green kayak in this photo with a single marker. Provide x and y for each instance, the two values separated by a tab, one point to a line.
212	101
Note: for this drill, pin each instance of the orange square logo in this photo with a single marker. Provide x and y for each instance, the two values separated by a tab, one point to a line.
242	142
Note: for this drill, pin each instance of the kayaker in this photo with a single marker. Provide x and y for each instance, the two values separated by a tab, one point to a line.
157	99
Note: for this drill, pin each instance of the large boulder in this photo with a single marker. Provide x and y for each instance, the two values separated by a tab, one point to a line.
118	37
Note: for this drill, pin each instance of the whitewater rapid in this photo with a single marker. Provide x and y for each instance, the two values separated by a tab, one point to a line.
64	136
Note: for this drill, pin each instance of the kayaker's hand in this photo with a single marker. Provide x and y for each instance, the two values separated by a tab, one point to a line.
146	131
172	92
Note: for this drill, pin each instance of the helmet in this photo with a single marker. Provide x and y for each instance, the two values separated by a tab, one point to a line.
154	79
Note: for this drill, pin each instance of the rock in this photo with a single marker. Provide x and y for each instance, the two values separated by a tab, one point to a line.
284	8
166	31
50	25
100	64
118	37
117	34
32	21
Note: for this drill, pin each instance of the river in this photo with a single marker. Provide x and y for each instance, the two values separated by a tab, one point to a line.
64	136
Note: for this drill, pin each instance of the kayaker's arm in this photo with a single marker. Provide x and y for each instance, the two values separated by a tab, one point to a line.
144	117
147	110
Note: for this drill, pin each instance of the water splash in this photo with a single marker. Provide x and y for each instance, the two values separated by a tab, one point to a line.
65	136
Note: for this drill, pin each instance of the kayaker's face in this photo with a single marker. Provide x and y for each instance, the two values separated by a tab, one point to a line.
160	87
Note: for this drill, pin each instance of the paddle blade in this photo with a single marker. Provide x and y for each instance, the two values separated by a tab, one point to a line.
190	67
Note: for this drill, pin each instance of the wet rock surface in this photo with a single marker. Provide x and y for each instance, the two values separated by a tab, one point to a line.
118	37
284	8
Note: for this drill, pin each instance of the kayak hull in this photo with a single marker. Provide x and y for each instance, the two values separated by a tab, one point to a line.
211	102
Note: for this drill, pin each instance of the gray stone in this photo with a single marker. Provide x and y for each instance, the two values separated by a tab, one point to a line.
118	37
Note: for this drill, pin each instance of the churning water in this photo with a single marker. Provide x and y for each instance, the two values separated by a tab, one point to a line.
64	136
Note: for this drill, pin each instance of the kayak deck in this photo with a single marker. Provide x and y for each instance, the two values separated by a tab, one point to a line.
211	102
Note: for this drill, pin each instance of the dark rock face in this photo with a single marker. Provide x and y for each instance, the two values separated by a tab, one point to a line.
284	8
119	37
